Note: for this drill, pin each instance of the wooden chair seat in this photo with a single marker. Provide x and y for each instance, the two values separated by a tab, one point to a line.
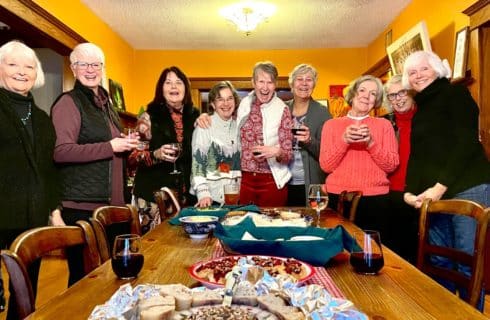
473	284
104	220
36	243
167	202
348	200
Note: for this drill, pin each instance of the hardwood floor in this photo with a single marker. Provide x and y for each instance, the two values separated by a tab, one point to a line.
53	279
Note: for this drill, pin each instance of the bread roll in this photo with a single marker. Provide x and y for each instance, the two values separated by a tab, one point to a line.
208	297
157	313
182	295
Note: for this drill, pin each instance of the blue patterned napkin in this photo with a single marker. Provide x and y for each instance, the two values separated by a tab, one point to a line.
213	211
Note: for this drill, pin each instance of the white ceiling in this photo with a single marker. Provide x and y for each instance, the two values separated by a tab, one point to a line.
297	24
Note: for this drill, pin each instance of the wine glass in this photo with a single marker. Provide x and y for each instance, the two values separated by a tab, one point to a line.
317	198
127	259
177	147
296	128
366	255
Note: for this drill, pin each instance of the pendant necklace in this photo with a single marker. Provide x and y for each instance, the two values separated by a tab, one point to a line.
28	116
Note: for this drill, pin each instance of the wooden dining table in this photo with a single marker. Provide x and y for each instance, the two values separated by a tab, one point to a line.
399	291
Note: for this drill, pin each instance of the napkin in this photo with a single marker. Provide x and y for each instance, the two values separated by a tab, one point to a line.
216	211
315	252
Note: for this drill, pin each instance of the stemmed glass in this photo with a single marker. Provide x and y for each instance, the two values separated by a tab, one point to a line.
317	198
127	259
177	147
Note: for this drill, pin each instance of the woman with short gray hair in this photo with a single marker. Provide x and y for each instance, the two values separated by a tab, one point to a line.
359	151
308	118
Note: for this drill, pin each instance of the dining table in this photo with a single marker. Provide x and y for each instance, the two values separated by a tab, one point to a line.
398	291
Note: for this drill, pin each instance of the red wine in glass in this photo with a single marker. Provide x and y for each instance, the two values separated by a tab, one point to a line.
127	266
127	259
366	255
296	130
366	263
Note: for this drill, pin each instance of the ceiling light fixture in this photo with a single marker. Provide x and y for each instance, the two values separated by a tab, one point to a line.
248	15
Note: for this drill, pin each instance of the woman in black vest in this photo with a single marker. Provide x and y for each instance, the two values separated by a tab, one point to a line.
169	118
89	148
29	185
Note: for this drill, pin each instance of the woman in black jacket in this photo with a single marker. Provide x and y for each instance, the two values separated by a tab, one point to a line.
29	185
169	118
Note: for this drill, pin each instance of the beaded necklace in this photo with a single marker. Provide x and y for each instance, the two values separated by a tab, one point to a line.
28	116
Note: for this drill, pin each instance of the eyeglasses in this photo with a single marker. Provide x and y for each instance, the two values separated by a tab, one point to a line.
400	94
85	65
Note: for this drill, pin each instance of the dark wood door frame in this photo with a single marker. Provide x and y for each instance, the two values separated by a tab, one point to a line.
35	26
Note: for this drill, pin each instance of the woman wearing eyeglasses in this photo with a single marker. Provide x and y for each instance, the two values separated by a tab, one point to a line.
401	101
359	151
89	146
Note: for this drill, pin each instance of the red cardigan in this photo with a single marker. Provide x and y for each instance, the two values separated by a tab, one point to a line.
404	123
353	166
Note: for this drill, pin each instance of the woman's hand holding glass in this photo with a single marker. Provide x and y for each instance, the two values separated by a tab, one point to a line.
357	133
303	134
168	152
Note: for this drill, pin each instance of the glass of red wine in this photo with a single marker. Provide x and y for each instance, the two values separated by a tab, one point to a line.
367	256
297	128
127	259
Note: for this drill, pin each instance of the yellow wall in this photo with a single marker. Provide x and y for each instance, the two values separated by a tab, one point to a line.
335	66
138	70
443	18
119	54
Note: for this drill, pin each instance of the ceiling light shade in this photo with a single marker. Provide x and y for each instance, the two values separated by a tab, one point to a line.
248	15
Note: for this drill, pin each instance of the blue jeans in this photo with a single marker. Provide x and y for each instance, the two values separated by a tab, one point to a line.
458	232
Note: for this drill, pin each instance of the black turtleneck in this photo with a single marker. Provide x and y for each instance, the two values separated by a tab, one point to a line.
21	105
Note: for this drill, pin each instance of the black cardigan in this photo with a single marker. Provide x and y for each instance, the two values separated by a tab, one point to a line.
444	141
150	179
29	187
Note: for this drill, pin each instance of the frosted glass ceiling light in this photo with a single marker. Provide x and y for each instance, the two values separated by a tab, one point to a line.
248	15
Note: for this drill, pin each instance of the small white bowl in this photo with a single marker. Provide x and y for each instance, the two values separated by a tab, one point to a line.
198	227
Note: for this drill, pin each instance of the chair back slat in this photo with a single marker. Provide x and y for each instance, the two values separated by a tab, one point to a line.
349	199
105	217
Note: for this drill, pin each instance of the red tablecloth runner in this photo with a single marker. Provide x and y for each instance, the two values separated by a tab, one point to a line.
321	276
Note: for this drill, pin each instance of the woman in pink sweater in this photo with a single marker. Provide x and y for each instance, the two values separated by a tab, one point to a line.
358	151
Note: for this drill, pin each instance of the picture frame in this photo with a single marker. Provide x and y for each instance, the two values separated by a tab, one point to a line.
461	53
116	95
415	39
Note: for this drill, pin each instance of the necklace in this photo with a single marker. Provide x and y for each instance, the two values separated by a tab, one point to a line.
28	116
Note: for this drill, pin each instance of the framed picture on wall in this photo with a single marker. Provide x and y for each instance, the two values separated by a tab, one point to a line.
415	39
116	95
461	53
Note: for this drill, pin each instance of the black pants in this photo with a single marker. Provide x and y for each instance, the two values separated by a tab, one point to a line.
74	254
296	195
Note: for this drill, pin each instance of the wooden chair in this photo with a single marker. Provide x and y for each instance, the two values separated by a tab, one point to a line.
456	207
167	202
105	219
36	243
351	198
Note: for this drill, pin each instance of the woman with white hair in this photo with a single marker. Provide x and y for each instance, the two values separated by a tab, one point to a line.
309	116
359	151
447	160
29	178
89	147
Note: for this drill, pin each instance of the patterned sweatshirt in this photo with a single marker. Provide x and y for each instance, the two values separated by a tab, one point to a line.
215	158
